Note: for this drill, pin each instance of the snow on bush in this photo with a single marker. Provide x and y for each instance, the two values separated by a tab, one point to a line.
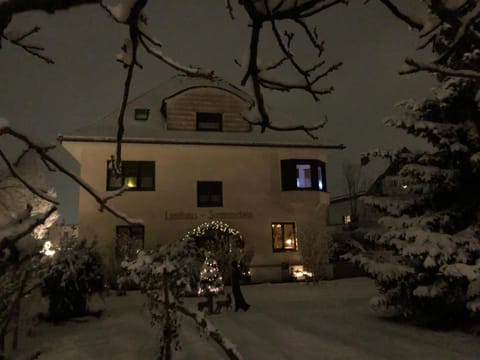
165	276
70	276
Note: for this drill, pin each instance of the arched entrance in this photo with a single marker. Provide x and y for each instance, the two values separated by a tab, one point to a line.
223	242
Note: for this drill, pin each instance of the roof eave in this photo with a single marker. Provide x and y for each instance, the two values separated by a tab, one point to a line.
70	138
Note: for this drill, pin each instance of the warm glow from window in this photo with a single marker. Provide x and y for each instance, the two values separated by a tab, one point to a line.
289	244
47	249
347	219
299	273
131	182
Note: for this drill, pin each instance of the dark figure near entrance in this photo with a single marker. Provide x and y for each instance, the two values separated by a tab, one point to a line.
240	302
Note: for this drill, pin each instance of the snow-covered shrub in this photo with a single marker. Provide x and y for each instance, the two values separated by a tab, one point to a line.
24	222
165	276
312	245
426	255
71	275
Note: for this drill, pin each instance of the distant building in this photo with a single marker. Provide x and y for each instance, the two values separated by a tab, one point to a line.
62	231
346	226
189	157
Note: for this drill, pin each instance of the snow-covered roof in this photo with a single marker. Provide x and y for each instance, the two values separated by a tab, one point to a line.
155	130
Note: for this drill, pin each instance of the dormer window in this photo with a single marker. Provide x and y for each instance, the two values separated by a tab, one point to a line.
209	121
142	114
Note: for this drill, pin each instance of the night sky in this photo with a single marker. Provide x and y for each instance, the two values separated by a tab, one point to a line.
86	82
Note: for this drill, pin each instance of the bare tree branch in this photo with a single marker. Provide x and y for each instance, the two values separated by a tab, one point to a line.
309	130
260	12
34	50
312	35
319	8
288	54
410	20
282	86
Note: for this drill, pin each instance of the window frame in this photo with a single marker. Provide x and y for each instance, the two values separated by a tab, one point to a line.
141	114
289	174
210	118
141	167
202	185
283	249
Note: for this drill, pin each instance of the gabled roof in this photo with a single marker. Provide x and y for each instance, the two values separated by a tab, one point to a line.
155	131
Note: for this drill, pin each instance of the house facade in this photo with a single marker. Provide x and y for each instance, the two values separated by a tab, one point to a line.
190	158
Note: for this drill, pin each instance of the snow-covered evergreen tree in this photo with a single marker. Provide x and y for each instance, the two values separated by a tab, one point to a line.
426	258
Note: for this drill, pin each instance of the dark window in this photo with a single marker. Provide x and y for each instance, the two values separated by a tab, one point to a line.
209	193
142	114
129	240
209	121
303	175
136	175
284	237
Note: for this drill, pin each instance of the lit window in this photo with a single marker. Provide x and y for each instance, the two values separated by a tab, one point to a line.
136	175
303	175
209	194
321	181
209	121
347	219
284	237
142	114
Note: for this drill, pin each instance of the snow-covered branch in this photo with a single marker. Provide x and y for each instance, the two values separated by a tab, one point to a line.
416	66
10	8
23	225
225	344
42	194
42	152
151	46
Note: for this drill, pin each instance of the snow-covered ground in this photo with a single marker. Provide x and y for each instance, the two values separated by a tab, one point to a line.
286	321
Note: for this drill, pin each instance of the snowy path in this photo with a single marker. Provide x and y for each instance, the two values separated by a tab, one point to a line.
286	321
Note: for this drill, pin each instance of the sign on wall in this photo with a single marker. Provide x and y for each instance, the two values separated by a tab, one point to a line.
209	215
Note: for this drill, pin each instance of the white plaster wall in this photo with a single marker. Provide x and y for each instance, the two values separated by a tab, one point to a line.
251	180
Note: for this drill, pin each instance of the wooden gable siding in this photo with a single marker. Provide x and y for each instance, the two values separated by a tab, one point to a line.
182	109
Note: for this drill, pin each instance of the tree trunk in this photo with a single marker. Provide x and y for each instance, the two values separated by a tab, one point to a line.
166	350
